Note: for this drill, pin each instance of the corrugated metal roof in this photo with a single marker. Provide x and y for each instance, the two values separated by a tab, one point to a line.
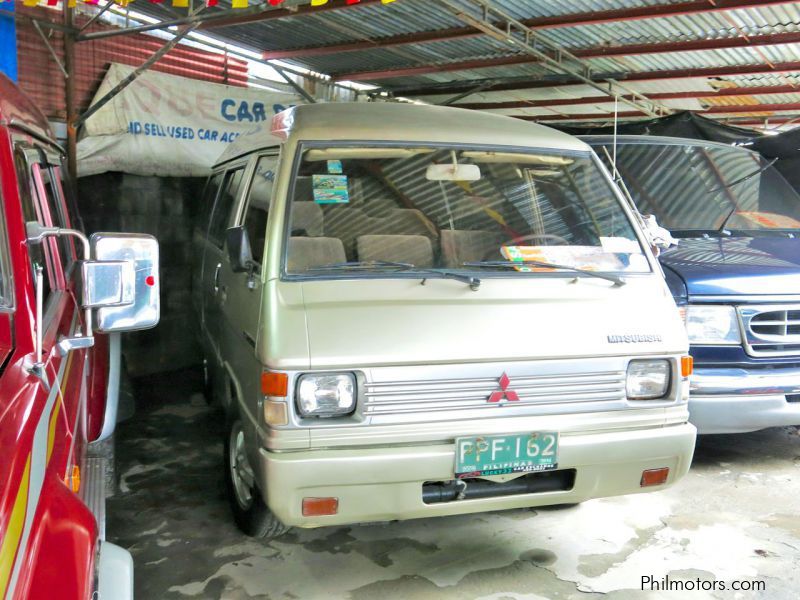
376	22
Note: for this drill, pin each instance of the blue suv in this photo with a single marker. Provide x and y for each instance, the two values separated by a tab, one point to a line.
735	271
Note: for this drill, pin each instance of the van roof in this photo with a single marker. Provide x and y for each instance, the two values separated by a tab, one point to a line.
17	109
401	122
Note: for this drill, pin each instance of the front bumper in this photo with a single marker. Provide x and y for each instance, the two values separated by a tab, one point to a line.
114	573
385	483
735	400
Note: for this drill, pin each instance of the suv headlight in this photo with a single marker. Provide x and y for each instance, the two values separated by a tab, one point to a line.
712	325
326	395
648	379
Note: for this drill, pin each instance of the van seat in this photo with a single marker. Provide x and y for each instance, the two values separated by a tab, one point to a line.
414	249
459	247
307	218
308	252
348	224
409	221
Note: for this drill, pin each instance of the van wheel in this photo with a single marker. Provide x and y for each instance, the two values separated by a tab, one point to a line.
249	511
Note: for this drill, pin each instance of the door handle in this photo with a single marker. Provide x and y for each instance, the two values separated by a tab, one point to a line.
216	277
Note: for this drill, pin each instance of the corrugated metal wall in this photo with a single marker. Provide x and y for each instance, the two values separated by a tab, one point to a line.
41	78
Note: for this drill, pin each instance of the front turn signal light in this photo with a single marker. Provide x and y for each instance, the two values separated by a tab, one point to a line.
274	384
687	366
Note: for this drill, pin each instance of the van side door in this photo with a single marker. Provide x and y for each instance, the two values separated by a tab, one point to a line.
222	215
199	243
241	304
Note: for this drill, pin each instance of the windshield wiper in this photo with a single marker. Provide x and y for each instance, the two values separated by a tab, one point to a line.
724	227
374	265
508	264
745	178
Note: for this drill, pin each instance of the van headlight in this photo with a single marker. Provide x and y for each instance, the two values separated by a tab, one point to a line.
712	325
326	395
648	379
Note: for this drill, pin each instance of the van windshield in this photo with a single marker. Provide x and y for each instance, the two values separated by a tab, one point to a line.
393	210
701	188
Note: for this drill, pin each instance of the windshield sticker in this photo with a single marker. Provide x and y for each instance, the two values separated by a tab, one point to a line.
523	254
335	167
331	189
588	258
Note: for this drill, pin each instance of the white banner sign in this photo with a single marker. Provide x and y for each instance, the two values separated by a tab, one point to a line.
171	126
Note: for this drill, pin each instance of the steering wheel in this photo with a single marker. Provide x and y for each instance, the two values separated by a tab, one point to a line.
531	236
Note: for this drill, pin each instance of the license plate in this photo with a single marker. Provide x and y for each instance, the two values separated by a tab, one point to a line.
504	454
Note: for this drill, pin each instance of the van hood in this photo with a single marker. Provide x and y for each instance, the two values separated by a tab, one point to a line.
736	265
398	321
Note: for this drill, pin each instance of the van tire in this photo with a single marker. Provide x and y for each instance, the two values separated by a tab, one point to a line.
250	512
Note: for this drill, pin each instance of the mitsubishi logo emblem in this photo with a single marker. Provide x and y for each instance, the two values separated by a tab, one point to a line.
504	392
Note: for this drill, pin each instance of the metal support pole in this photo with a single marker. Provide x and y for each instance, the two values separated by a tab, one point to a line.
463	95
49	47
86	25
297	87
504	28
194	19
69	93
154	58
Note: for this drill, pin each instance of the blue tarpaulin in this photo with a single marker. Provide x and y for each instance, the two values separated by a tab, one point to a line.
8	42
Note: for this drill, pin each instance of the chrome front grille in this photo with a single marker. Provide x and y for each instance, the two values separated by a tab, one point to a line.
473	394
771	330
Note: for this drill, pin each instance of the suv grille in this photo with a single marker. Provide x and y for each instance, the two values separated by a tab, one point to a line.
771	330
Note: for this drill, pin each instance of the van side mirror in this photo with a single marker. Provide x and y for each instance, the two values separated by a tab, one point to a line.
240	254
121	282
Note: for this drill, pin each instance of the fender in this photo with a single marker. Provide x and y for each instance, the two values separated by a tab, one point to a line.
104	390
64	549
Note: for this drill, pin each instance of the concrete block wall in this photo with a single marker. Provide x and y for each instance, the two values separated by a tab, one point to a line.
165	208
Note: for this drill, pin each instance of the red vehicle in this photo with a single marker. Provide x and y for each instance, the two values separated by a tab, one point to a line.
63	297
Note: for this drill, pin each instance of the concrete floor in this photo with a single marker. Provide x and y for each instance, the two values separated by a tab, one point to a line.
736	516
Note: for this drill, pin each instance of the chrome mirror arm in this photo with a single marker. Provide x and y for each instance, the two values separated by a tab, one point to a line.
36	234
39	313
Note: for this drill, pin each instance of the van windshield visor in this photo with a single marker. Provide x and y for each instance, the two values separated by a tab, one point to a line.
444	211
706	188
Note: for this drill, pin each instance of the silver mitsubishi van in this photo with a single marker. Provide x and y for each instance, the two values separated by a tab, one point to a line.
414	311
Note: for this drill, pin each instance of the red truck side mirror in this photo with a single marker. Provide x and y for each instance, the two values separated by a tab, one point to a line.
117	283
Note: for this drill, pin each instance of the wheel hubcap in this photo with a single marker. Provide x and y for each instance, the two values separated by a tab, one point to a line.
241	474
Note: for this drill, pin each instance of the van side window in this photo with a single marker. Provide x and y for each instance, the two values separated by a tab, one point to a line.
39	254
221	218
209	196
255	221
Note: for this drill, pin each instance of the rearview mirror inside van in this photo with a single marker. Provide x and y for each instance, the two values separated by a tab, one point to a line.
240	254
453	172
